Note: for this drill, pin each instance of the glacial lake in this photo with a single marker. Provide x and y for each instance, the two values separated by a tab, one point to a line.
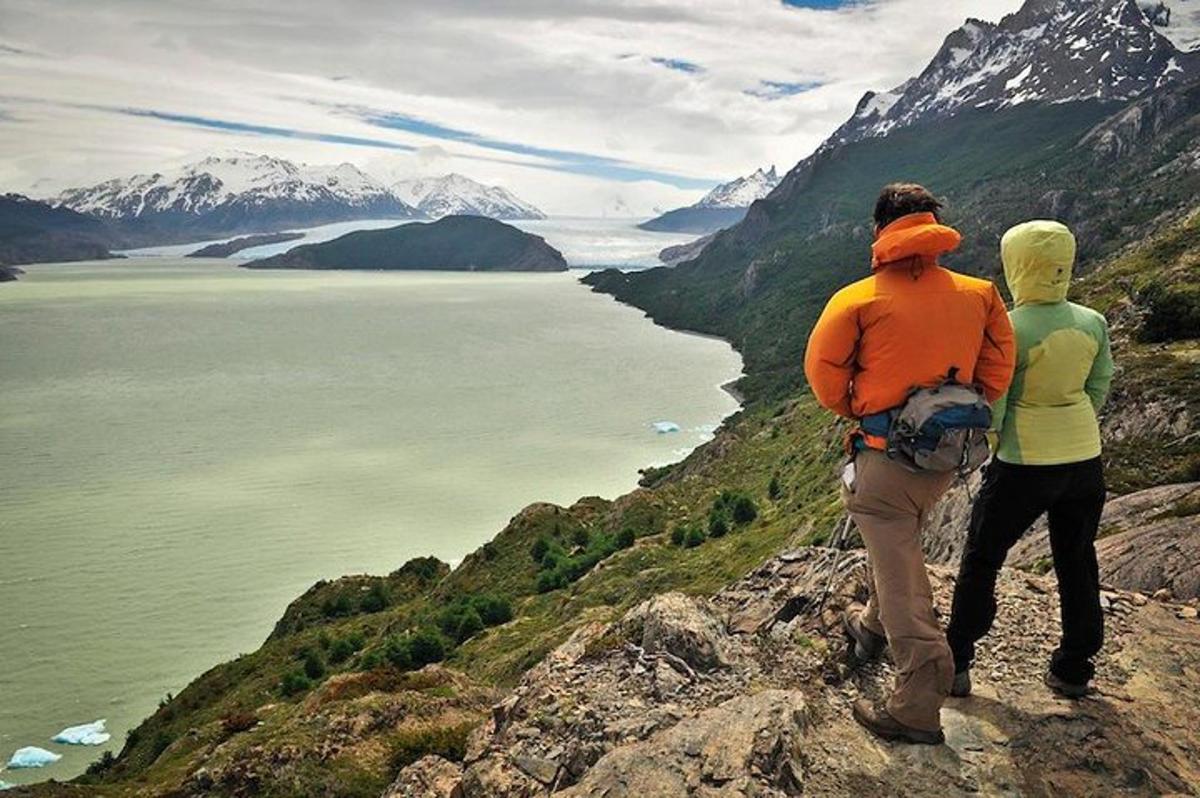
188	446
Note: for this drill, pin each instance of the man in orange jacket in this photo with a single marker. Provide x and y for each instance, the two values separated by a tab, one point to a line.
911	324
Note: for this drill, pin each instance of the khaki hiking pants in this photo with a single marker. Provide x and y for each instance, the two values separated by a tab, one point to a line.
889	504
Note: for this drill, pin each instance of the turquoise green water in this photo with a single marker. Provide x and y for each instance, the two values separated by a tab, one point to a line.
187	446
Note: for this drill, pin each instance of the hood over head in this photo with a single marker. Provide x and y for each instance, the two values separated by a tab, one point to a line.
918	235
1038	259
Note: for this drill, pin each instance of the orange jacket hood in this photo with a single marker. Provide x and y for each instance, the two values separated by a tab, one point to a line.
918	235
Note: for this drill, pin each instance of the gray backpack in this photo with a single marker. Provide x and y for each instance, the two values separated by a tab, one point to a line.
941	429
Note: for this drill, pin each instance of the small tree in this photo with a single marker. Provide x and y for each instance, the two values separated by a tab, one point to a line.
580	537
626	538
695	537
775	489
679	535
718	525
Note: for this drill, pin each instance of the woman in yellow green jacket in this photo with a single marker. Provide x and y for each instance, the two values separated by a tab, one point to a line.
1047	460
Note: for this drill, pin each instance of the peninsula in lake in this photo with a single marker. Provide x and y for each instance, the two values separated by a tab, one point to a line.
455	243
226	248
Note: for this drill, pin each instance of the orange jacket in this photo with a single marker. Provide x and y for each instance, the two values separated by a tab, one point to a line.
907	325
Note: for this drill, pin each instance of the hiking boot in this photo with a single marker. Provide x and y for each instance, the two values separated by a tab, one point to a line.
962	684
883	725
1064	688
867	644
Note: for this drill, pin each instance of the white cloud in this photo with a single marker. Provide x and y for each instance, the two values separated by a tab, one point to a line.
568	75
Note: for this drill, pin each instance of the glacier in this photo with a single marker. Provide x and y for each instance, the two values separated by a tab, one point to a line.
85	734
32	757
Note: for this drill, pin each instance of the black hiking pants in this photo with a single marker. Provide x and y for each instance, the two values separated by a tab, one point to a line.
1013	497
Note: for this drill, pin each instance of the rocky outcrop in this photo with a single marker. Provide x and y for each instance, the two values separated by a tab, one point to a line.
428	777
643	707
1148	541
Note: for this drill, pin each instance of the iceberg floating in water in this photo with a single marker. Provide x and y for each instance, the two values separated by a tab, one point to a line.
86	734
32	757
4	785
664	427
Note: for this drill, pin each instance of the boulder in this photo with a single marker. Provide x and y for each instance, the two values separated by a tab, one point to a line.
680	626
749	745
428	777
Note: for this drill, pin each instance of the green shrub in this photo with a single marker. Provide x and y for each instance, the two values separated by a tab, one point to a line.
1173	313
314	668
679	534
718	524
344	648
492	610
626	538
695	537
336	606
294	682
426	647
463	625
550	580
372	660
737	505
775	489
398	651
376	598
580	537
540	548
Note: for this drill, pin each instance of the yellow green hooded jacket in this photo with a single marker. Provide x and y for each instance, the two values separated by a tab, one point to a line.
1064	363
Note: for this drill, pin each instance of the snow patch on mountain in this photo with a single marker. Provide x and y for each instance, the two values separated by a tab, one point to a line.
456	195
1050	51
1178	20
742	192
242	179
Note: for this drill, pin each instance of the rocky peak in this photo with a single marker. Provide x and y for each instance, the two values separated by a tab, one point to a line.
1049	51
740	193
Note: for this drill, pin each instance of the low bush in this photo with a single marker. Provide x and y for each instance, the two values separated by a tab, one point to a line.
1172	313
626	538
376	599
344	648
293	683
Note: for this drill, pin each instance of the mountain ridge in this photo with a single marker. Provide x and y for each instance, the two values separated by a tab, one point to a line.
456	195
721	207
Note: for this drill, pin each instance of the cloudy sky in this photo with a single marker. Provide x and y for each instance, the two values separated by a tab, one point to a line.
577	105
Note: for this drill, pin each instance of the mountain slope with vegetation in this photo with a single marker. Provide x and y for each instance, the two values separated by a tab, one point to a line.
34	232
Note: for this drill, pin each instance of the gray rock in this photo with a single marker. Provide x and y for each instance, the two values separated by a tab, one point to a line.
428	777
681	626
749	745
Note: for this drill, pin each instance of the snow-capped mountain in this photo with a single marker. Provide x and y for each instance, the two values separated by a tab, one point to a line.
236	193
1050	51
742	192
455	195
1178	20
725	205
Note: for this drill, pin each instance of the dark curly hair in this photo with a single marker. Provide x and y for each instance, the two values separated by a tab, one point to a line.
901	199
